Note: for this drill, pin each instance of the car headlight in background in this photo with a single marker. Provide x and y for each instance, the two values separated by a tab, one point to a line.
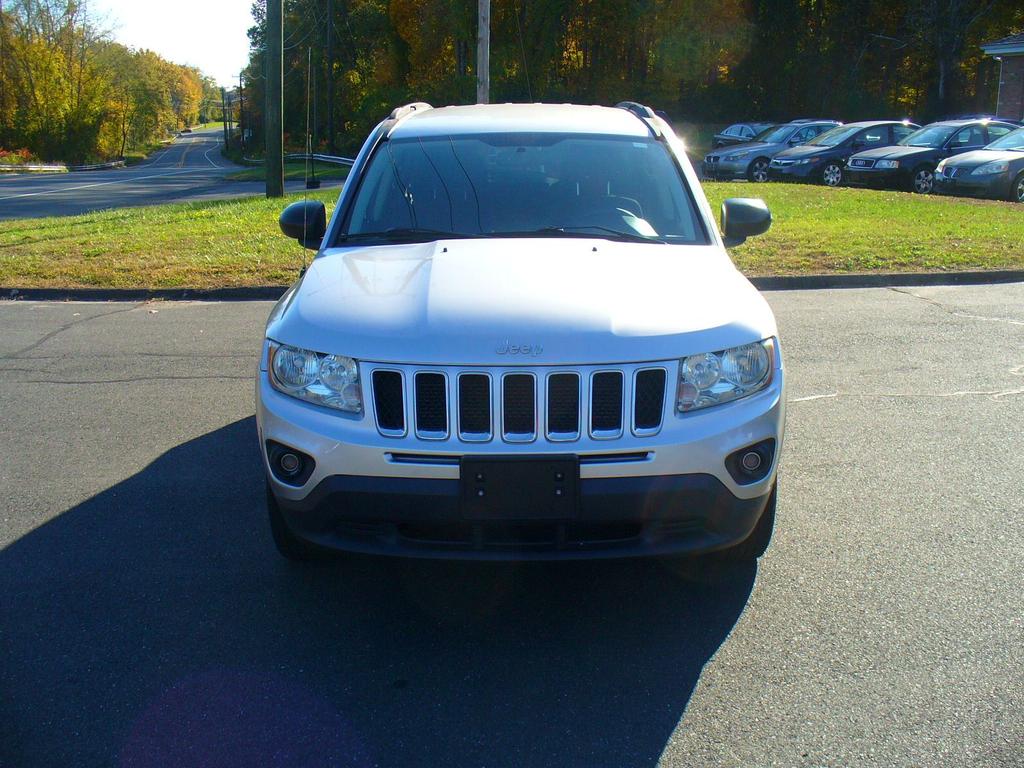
714	378
803	161
887	164
941	165
328	380
996	166
737	156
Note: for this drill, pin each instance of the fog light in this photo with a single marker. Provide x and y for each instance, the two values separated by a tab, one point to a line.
751	464
289	465
751	461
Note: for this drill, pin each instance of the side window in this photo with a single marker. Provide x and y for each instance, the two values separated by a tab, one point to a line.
998	131
804	135
746	132
732	130
900	132
816	129
874	137
971	136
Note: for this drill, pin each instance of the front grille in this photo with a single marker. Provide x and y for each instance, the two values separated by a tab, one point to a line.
860	163
563	406
606	404
475	407
431	406
713	158
778	162
389	403
648	400
517	405
950	173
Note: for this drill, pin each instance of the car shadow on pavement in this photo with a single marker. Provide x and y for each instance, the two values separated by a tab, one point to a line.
155	625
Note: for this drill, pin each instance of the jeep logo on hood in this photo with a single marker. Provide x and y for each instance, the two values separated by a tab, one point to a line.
506	348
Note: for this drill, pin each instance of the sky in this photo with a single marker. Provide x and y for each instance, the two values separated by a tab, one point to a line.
208	34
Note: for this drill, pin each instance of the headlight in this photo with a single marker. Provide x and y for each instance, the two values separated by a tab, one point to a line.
328	380
997	166
941	165
802	161
887	164
718	377
737	156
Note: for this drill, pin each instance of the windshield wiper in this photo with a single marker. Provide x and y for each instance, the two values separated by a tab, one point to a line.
609	233
405	234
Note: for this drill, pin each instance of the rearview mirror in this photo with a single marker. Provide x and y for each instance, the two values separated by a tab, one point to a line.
744	217
305	221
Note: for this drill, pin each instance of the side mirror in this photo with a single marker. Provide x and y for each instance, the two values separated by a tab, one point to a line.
306	221
744	217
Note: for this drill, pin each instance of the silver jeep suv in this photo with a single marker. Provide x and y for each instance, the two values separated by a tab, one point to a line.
521	337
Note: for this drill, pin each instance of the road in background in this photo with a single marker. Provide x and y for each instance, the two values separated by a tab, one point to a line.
146	618
191	168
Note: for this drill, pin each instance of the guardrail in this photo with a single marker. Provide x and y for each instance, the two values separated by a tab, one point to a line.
61	167
333	159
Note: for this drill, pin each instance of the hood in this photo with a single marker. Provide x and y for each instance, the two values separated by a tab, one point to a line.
521	301
750	145
982	156
895	152
806	150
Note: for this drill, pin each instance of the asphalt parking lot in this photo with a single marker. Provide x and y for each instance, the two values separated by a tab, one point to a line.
146	620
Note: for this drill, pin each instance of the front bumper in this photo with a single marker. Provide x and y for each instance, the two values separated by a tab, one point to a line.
666	493
725	170
795	172
617	517
877	178
995	186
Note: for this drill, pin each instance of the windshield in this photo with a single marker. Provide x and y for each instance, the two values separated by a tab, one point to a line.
1014	140
523	184
775	134
929	136
835	136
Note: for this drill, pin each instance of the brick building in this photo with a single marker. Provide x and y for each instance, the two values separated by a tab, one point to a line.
1009	52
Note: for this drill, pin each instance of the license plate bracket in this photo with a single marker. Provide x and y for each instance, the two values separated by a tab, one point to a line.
513	488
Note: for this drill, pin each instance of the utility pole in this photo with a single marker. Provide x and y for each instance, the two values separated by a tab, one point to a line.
330	76
224	116
241	114
274	124
483	52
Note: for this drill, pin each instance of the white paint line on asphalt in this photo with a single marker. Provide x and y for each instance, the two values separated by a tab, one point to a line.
206	154
98	184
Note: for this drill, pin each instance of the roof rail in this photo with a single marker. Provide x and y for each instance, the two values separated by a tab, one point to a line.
639	110
417	106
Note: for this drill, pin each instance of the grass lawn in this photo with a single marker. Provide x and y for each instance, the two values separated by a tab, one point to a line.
292	170
237	242
818	229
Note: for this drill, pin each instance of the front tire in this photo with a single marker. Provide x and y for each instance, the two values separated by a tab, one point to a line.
288	544
757	542
832	175
1017	189
923	180
758	170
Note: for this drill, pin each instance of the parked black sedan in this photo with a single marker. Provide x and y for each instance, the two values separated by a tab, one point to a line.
997	171
739	133
910	164
823	158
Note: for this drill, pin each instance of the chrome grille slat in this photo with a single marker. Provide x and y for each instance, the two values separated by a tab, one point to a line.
519	407
476	404
431	411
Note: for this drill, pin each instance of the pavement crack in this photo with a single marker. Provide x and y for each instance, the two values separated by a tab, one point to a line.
956	312
993	394
67	326
133	379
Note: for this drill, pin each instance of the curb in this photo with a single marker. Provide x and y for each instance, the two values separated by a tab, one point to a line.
273	292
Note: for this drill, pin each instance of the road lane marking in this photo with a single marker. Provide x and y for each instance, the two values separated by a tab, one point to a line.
98	184
206	154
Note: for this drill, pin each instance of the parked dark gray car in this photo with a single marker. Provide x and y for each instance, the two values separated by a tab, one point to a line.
997	171
750	161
